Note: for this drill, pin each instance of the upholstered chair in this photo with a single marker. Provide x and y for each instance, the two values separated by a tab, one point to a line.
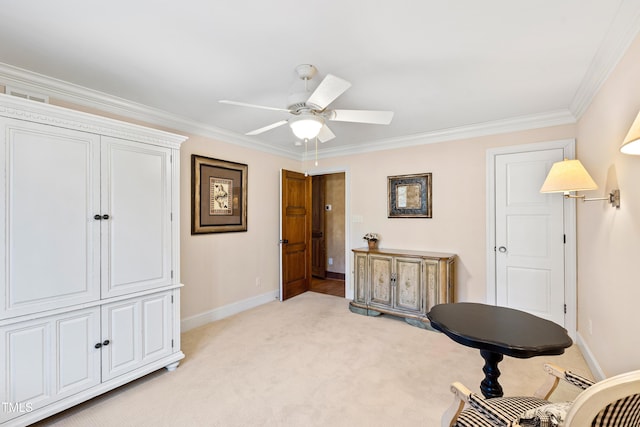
614	402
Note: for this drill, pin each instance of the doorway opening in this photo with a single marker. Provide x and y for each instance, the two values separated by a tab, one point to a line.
328	263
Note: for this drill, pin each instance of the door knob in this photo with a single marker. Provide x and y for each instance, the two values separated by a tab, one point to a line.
284	241
502	249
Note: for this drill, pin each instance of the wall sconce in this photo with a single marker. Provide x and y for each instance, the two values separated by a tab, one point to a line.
570	175
631	143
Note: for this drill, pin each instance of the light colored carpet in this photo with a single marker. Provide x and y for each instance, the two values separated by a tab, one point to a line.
309	362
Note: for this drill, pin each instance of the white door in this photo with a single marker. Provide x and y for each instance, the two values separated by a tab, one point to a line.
49	193
136	195
530	236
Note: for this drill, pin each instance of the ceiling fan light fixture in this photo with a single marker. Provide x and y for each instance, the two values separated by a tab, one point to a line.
307	126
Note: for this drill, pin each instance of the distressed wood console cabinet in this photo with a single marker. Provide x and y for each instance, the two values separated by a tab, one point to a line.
402	283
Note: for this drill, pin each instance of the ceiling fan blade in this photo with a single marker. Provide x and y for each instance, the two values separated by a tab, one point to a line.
325	134
329	89
244	104
266	128
362	116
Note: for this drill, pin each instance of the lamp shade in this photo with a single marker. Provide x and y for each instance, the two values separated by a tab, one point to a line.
306	126
631	143
568	175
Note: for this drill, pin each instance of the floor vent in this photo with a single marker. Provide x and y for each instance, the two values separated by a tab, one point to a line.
25	94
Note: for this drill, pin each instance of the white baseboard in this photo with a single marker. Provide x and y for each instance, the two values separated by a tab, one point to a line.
226	311
593	364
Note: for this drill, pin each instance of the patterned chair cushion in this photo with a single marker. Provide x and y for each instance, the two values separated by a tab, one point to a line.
499	411
550	415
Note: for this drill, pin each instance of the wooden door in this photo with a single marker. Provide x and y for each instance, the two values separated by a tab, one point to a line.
529	236
295	234
318	241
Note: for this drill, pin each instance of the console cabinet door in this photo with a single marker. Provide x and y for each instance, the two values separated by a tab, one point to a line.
136	194
361	278
49	194
48	359
139	331
409	285
380	274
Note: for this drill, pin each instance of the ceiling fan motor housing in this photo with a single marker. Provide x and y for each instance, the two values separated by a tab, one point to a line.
301	89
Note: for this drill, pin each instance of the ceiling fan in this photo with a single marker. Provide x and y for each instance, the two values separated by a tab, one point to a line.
309	110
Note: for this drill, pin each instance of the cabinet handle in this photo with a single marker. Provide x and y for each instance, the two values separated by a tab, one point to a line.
97	217
105	216
105	343
98	345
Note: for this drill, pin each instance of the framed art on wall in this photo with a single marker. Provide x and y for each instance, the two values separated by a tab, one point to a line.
409	196
218	195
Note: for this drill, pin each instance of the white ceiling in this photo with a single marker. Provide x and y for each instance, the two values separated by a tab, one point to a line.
445	67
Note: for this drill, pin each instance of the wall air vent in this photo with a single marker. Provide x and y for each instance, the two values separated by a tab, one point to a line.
26	94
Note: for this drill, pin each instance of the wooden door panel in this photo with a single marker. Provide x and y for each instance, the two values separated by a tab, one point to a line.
409	284
380	270
295	234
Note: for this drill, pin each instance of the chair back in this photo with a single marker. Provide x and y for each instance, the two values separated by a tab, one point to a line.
608	403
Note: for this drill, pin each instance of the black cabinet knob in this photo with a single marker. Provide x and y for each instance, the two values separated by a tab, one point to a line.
97	217
105	216
106	342
98	345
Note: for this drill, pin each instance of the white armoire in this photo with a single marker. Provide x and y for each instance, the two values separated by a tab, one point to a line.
89	256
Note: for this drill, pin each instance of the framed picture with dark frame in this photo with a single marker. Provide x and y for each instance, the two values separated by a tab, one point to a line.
218	195
409	196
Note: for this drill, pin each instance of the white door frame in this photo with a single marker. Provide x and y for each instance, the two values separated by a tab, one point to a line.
570	265
348	289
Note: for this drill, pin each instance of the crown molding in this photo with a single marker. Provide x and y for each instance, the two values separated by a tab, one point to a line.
514	124
21	109
622	32
69	92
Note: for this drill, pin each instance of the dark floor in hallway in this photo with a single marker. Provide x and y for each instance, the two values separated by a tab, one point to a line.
328	286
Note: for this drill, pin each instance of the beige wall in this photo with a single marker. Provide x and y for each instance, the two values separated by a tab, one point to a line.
459	209
609	239
224	268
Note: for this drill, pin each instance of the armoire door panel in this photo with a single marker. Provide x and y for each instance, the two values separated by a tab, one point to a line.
25	359
78	361
136	194
156	327
50	185
121	327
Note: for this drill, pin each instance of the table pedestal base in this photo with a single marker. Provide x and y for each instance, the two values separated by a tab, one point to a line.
490	387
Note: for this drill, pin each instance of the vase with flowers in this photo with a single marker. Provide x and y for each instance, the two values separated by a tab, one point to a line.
372	239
